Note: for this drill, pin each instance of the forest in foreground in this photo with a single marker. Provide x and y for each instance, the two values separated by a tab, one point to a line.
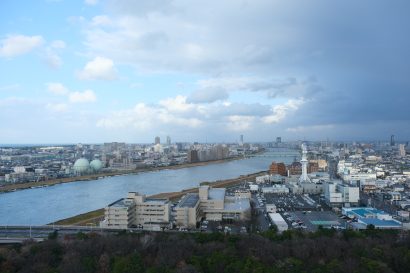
322	251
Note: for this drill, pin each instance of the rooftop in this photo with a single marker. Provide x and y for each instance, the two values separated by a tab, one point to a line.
189	200
216	194
156	200
237	204
380	223
363	212
122	203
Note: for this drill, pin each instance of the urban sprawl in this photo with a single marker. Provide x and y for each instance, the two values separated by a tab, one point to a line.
333	185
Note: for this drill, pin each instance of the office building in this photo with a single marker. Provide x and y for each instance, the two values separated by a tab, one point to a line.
157	140
212	204
339	194
188	211
137	211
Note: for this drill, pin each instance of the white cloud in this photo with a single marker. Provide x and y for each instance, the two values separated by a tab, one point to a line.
177	104
144	117
91	2
15	45
57	88
82	97
57	107
176	113
279	112
98	69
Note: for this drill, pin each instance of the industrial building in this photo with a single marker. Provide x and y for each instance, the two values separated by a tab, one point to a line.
371	216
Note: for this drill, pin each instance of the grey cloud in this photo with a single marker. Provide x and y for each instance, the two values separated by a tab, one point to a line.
358	50
242	109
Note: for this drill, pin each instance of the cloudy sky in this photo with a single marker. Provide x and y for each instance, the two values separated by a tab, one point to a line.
125	70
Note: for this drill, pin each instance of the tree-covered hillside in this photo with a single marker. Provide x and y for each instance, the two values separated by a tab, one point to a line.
323	251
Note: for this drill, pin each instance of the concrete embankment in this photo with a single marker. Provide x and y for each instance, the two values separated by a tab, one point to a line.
94	217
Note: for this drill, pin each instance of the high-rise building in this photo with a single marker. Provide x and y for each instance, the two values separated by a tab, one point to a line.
168	140
278	140
241	140
402	150
392	143
157	140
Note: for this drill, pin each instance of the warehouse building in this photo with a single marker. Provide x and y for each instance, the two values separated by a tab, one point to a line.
370	216
278	220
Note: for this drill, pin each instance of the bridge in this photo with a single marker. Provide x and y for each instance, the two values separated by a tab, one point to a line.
276	155
19	234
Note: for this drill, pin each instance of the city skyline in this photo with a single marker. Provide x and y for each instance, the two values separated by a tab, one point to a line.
99	71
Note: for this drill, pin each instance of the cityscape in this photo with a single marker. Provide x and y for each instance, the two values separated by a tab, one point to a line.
174	136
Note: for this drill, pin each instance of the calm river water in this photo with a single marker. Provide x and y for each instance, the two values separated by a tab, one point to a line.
45	205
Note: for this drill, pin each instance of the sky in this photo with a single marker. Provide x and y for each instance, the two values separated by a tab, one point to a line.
93	71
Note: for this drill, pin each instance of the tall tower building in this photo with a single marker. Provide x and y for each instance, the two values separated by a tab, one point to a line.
168	140
278	140
241	140
402	150
392	140
157	140
304	178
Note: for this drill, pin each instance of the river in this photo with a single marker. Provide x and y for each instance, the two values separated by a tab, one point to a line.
40	206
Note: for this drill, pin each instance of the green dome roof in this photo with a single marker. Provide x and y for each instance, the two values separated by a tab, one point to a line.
81	165
96	165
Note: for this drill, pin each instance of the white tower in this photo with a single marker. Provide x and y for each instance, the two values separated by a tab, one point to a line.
304	178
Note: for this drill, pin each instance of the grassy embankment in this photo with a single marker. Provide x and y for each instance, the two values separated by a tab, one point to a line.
94	217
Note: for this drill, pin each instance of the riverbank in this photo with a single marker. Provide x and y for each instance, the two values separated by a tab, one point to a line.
51	182
94	217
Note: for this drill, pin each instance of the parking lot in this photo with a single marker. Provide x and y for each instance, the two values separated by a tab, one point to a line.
311	220
291	202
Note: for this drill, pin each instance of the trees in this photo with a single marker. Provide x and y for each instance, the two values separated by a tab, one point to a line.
380	251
